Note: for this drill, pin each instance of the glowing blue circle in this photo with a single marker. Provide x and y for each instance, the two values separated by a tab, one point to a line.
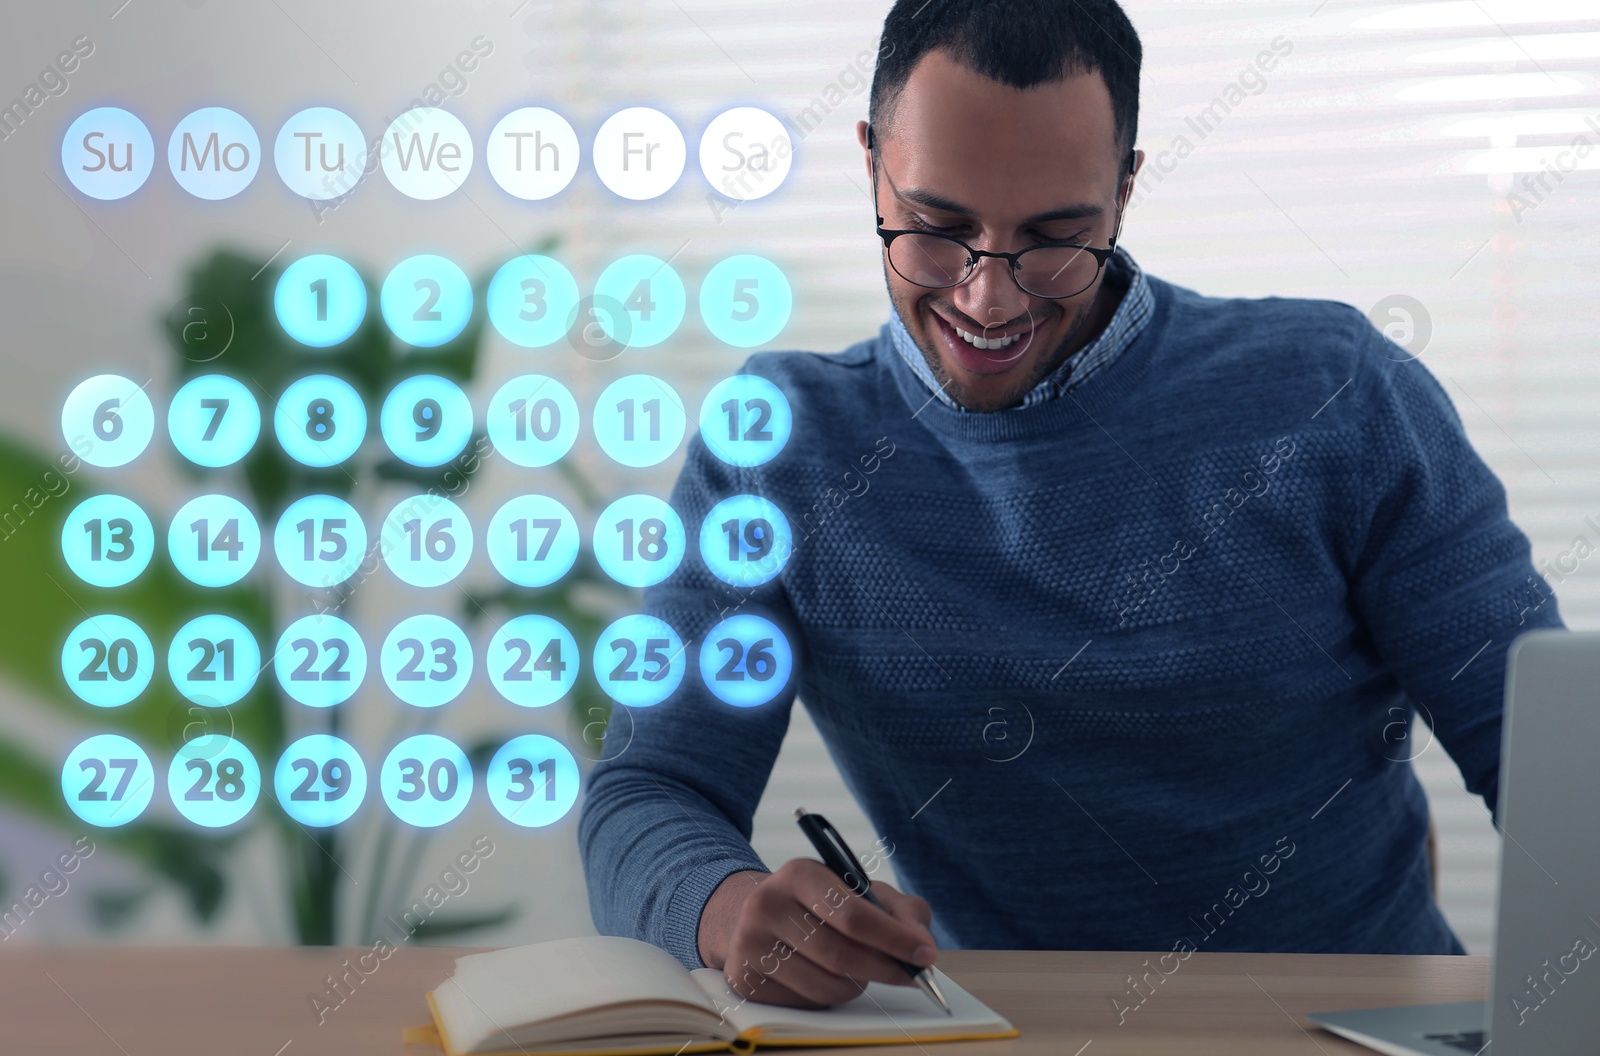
214	781
649	291
639	661
639	420
320	300
108	421
426	420
320	661
745	420
320	421
532	540
320	541
107	780
107	540
639	540
532	780
745	301
532	301
426	300
533	420
532	661
426	661
320	153
107	661
214	421
107	153
213	660
745	540
745	660
426	780
213	153
320	780
214	540
428	540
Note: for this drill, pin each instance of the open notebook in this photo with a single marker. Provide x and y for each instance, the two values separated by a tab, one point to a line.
608	995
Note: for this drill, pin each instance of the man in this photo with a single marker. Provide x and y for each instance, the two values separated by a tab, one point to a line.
1207	554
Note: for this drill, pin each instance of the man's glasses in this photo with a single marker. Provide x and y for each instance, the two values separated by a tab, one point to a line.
937	262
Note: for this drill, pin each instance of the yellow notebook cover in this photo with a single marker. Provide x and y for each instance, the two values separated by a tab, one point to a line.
747	1041
598	992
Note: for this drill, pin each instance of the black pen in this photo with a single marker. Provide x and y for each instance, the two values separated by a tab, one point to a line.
836	855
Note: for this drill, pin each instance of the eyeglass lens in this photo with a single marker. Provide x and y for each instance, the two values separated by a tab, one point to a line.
1044	271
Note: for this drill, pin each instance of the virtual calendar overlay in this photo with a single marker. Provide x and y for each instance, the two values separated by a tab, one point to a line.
533	301
319	419
425	540
322	153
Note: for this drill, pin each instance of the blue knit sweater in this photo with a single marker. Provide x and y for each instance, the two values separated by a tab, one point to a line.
1156	640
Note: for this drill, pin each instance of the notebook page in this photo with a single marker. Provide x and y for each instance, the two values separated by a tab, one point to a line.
882	1011
507	989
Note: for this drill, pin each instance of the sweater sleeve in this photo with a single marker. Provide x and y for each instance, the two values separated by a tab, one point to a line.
1443	579
668	812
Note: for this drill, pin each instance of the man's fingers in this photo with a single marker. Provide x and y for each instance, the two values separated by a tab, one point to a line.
871	926
754	986
800	979
803	939
813	982
909	908
826	897
833	952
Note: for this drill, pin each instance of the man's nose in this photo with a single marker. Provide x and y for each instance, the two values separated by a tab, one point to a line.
991	296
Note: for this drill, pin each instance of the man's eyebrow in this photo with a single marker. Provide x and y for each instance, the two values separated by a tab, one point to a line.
1079	211
932	201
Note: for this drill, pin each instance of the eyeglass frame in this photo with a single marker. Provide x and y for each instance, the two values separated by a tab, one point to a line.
888	235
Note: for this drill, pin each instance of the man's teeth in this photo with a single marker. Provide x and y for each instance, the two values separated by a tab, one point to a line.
987	344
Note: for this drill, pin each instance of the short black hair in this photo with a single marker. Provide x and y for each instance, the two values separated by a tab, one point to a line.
1020	43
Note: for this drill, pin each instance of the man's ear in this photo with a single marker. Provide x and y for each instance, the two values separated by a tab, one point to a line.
866	151
1126	190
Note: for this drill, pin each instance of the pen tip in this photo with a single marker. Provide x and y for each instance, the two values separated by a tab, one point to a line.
799	812
926	976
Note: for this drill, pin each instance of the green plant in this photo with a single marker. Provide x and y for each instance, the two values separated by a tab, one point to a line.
233	293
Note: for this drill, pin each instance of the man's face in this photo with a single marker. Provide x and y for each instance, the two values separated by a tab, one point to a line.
1001	169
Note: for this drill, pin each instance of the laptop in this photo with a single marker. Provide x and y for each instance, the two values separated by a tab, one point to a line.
1545	998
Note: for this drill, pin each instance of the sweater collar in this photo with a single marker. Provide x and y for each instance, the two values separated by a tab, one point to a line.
1127	323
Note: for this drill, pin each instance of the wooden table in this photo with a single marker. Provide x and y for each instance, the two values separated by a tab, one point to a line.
257	1002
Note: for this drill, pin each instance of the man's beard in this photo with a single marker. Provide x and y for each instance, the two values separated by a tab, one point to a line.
1043	369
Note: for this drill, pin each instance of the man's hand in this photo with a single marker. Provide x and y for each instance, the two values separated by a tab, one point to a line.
799	937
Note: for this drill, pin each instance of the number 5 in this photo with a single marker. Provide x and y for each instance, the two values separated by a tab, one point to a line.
744	293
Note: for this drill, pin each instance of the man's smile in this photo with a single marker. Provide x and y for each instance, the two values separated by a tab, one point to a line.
984	350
